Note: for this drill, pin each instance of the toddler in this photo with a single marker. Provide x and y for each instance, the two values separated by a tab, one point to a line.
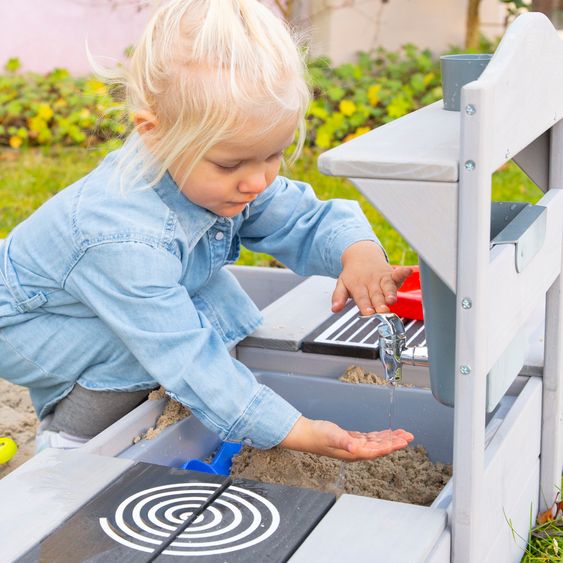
117	284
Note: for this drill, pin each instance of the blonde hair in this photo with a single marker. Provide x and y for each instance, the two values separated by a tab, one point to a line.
204	69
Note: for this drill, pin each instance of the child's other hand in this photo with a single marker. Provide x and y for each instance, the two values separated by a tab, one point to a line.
368	279
326	438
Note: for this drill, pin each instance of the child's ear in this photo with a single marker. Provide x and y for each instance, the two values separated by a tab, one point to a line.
144	121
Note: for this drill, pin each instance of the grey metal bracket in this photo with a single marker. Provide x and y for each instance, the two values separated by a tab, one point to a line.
521	224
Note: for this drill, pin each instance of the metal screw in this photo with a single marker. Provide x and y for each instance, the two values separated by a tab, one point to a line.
464	369
466	303
469	165
470	109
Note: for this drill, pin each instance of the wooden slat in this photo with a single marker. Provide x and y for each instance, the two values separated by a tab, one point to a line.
45	491
520	509
525	85
513	295
534	161
363	530
405	203
289	319
441	551
552	454
471	330
510	459
421	146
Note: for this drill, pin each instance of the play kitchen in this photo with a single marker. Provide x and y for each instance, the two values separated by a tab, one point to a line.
477	356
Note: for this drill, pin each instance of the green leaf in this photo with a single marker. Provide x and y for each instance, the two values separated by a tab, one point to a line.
399	106
12	65
324	136
417	83
335	93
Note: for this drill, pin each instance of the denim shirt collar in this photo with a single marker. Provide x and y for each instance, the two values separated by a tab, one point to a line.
195	220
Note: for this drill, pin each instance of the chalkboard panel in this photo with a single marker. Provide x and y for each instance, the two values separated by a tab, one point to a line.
129	519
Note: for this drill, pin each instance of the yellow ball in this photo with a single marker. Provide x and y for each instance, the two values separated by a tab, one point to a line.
7	449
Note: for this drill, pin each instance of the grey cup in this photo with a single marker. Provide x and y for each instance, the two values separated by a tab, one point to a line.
457	71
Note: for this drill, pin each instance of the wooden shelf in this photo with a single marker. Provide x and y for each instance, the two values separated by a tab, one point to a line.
421	146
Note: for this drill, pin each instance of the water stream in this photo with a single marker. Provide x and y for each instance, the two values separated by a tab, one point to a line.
392	387
342	469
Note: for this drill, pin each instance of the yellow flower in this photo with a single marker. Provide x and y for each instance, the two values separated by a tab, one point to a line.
45	112
36	124
362	131
347	107
373	94
359	131
15	142
398	106
319	112
323	140
96	87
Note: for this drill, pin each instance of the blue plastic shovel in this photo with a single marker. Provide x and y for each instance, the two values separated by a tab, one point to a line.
221	464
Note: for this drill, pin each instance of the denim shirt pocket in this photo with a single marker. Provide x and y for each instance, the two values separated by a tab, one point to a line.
234	250
19	301
228	308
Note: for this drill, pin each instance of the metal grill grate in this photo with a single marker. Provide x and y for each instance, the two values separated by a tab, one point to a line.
347	334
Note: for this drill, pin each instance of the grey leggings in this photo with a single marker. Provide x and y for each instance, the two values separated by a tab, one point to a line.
85	413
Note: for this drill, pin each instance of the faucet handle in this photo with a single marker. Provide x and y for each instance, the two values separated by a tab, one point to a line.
392	341
390	324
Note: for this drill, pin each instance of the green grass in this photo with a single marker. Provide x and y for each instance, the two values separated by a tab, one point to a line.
546	544
545	541
28	178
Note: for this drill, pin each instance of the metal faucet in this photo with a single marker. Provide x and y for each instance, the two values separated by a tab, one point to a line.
393	350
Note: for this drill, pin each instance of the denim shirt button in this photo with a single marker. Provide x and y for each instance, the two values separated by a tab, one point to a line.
247	441
219	235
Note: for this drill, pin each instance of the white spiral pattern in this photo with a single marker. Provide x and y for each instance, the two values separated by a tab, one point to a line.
238	519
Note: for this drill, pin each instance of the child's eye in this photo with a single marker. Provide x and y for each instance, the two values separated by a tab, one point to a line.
228	168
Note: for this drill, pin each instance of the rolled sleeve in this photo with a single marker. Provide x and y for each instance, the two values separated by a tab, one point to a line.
341	240
134	288
268	416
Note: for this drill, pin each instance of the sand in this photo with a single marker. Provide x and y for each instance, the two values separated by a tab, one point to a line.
173	412
356	374
405	475
17	421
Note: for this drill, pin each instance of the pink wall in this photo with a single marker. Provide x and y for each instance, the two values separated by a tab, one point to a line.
45	34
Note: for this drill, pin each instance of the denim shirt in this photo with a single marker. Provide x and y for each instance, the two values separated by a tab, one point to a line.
149	264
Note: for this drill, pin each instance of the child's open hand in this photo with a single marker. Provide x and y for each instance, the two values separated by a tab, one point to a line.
368	279
326	438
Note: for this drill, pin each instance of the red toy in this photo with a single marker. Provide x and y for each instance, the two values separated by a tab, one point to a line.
409	298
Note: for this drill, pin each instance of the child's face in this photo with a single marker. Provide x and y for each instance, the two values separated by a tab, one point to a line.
234	173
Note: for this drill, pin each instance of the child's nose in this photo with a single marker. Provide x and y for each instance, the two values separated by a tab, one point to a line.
253	184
